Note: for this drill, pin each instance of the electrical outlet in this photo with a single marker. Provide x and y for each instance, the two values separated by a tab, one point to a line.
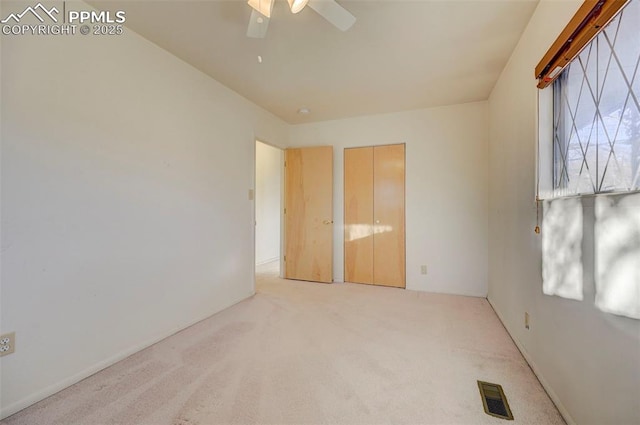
7	343
423	269
526	320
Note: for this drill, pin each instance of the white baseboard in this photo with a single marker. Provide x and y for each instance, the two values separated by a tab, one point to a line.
270	260
545	384
13	408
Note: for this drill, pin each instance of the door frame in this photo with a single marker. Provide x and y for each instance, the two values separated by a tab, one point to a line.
253	199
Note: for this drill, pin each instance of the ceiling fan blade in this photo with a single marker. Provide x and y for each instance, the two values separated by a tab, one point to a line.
263	6
258	25
334	13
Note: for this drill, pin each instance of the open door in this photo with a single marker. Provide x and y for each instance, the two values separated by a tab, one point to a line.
308	216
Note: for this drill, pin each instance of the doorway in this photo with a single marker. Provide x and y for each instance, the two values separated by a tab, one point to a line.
268	207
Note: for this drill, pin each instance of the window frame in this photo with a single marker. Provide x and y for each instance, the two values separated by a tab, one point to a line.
548	184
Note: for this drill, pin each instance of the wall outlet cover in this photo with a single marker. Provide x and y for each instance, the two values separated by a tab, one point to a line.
7	343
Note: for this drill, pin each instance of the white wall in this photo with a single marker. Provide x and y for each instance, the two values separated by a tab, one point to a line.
268	200
589	361
125	207
446	189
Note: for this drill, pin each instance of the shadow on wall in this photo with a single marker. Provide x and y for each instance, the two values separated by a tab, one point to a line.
562	272
616	247
617	253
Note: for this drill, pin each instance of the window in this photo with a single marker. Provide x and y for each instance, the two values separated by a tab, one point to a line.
596	108
589	143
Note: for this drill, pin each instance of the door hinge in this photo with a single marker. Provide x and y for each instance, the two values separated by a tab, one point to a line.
285	210
285	258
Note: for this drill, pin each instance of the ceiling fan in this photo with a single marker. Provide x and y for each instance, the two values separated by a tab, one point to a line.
328	9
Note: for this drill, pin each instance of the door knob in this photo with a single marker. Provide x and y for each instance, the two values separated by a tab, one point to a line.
327	222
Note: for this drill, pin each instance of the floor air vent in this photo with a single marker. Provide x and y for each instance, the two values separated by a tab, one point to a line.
494	401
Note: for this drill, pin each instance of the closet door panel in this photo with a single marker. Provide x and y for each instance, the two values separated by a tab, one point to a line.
389	215
358	215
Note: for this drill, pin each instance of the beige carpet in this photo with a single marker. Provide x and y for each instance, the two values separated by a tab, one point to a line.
310	353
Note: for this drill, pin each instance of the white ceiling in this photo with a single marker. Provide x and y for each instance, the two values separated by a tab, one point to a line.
399	55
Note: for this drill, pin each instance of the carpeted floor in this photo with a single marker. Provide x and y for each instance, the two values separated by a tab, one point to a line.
310	353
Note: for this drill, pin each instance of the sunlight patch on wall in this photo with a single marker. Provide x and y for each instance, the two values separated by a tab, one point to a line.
617	250
562	248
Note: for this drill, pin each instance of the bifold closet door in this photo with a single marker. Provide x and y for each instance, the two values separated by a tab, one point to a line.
388	216
374	186
358	215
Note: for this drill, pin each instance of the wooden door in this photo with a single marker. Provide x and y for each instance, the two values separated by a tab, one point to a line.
309	214
374	200
358	215
389	215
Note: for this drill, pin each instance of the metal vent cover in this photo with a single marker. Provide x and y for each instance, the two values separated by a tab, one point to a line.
494	401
